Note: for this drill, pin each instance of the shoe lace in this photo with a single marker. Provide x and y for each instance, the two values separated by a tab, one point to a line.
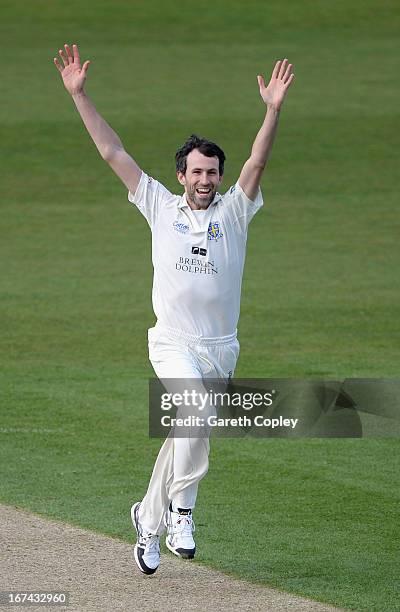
151	543
184	525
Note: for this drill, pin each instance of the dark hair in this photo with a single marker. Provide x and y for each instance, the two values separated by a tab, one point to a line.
206	147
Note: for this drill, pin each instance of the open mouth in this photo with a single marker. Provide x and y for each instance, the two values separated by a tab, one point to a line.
203	191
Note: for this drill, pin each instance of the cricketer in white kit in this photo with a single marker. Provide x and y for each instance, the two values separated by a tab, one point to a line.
198	252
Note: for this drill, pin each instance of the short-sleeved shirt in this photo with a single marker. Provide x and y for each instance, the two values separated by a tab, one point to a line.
198	256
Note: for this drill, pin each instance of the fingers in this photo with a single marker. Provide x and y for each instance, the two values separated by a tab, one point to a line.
85	66
261	82
69	54
275	71
290	80
69	57
63	57
57	64
282	69
77	59
288	73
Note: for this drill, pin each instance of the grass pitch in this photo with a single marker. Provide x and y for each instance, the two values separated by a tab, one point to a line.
321	286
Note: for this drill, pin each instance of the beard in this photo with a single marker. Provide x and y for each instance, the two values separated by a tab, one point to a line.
201	202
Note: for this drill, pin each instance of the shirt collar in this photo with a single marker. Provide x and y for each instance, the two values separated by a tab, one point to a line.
183	202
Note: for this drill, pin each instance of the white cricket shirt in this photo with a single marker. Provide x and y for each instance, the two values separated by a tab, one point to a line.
198	257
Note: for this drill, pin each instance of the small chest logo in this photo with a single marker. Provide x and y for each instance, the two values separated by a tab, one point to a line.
199	251
182	228
214	231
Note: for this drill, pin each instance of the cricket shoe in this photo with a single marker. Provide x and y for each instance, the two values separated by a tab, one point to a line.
147	547
180	528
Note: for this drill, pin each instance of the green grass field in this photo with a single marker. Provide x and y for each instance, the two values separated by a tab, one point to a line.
320	294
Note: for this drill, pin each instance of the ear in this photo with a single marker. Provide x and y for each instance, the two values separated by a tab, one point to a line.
221	178
181	178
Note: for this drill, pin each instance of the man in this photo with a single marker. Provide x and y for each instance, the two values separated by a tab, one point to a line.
198	247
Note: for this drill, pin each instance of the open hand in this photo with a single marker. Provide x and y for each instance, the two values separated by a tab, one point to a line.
73	75
281	79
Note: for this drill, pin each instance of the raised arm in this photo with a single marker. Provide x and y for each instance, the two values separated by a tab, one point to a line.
106	140
273	96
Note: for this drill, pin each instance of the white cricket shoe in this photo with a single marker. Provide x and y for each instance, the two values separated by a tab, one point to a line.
147	548
180	528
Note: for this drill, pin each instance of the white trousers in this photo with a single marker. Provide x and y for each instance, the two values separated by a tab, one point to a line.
182	462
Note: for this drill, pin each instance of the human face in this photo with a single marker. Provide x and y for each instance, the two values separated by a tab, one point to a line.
200	180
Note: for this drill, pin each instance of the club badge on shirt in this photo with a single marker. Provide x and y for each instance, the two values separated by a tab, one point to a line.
214	231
